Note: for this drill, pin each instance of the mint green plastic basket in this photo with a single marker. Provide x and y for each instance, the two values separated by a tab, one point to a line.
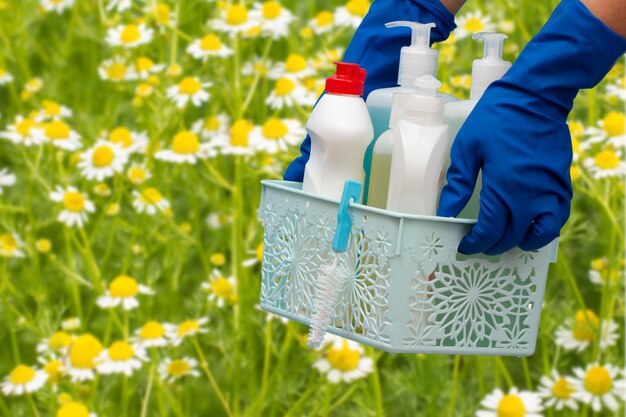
407	289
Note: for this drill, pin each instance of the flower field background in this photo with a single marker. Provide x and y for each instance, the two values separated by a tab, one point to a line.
133	136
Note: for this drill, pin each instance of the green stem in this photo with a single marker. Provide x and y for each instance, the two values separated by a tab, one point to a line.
33	406
205	367
455	380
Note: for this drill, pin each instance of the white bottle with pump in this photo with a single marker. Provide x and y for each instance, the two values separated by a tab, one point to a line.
340	128
416	60
486	70
419	152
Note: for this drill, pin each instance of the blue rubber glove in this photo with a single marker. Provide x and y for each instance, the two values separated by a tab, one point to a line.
517	134
377	49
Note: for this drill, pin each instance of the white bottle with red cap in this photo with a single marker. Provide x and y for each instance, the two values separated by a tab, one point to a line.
341	129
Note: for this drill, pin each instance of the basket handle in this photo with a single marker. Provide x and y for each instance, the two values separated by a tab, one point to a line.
351	191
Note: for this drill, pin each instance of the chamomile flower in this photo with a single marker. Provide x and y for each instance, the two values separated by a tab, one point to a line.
471	23
172	369
323	22
277	135
325	60
607	163
57	344
144	67
130	35
73	409
189	89
463	81
599	386
343	360
138	173
102	160
11	246
186	148
273	17
150	201
614	90
73	323
258	66
119	5
597	272
185	329
212	128
151	334
5	77
61	135
123	290
23	379
209	46
580	333
221	289
53	367
287	93
234	18
258	256
514	403
58	6
238	142
558	391
162	15
7	179
24	131
52	110
611	129
121	358
131	141
218	220
75	205
352	13
506	26
295	67
116	69
82	358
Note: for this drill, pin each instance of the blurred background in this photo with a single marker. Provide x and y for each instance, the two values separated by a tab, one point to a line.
133	137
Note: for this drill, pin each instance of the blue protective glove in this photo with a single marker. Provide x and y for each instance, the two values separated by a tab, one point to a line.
377	49
517	134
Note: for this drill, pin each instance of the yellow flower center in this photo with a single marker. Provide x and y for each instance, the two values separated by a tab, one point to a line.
239	133
122	136
136	174
607	159
474	24
324	18
188	326
218	259
511	406
598	380
50	108
162	13
116	71
143	90
123	287
150	196
185	143
574	173
102	156
130	34
2	72
358	7
562	389
54	370
575	129
585	326
178	367
575	145
295	63
72	409
57	130
614	124
8	243
274	128
152	330
144	63
210	43
23	126
121	351
73	201
43	245
344	358
189	86
22	374
236	15
84	351
212	123
598	264
271	10
259	252
221	287
284	86
59	340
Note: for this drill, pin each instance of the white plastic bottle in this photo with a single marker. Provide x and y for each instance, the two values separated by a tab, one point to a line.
416	60
419	152
486	70
340	128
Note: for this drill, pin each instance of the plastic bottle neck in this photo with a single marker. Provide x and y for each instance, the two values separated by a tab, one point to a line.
416	62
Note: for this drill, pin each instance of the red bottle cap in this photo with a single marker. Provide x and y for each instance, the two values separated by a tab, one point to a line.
348	79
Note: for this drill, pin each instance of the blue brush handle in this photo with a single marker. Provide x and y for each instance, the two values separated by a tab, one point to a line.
351	191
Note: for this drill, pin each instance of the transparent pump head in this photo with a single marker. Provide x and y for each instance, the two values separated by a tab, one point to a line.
491	66
425	106
418	58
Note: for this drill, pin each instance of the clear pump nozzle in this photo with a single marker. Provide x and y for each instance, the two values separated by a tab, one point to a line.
491	66
418	58
425	106
427	85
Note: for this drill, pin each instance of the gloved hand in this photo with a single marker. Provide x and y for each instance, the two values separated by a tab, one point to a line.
377	49
517	134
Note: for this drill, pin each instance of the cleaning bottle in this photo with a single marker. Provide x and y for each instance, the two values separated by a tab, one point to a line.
486	70
416	60
340	128
419	152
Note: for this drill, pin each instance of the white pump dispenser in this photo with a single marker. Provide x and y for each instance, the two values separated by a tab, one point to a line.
419	152
418	58
489	68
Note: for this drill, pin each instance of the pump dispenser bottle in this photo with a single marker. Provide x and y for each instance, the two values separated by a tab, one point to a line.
486	70
419	152
416	60
340	128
